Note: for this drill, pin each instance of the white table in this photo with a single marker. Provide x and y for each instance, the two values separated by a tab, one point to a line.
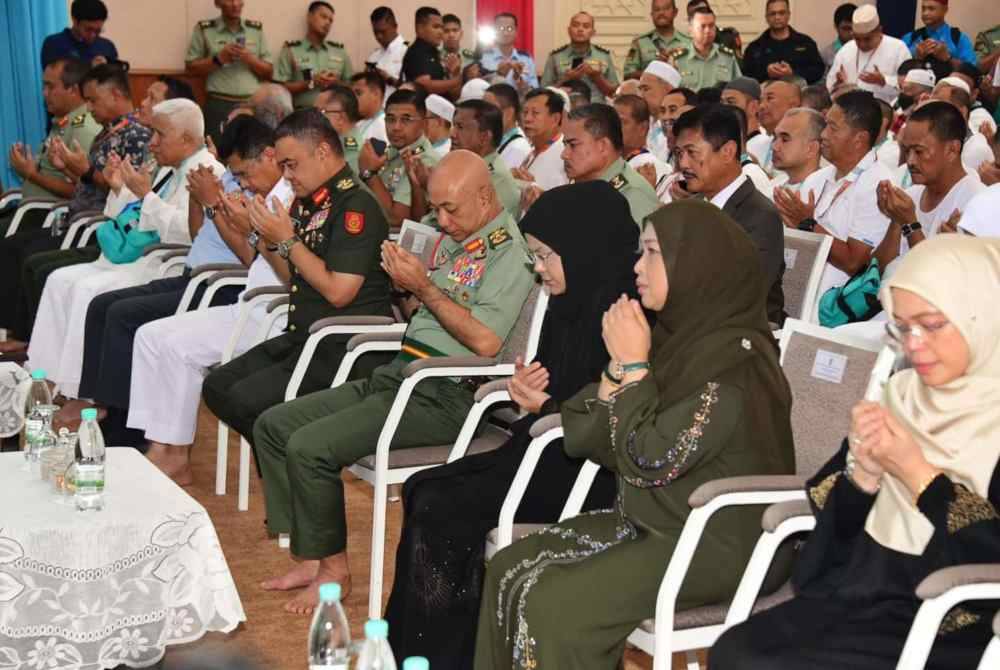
87	590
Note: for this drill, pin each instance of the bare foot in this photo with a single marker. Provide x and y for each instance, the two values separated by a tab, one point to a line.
174	461
308	599
301	575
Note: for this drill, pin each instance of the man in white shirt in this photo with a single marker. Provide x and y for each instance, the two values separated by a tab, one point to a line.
932	141
977	149
387	59
980	215
634	115
369	89
543	168
657	81
514	146
777	98
178	142
440	113
871	60
844	203
797	150
744	92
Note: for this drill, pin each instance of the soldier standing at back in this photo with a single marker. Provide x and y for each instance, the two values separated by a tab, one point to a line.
706	63
308	66
583	60
451	42
232	54
661	43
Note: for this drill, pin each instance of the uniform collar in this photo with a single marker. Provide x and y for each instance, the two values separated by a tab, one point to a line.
323	46
589	49
712	53
82	109
220	25
422	142
342	181
613	170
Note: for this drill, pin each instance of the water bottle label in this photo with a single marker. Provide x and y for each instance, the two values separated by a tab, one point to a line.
33	429
89	478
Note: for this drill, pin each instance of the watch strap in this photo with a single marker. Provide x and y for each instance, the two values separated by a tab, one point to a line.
910	228
808	225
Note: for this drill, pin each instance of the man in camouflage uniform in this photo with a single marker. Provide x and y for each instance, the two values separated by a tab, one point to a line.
581	59
467	306
232	54
308	66
707	63
661	43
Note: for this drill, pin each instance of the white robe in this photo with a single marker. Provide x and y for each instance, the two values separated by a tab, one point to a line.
887	57
56	344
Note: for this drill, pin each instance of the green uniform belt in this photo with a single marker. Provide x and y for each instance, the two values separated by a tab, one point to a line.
413	350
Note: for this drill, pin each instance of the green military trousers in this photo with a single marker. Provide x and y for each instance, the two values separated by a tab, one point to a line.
304	444
216	111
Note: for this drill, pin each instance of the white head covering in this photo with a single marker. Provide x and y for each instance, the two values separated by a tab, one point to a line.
664	71
956	82
956	424
921	77
865	19
474	89
440	107
562	94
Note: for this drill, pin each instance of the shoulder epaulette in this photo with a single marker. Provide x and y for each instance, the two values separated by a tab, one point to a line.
293	43
726	50
560	48
254	24
651	34
338	45
600	48
207	23
468	53
78	120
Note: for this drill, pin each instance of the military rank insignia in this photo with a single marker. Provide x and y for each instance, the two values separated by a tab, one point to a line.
350	143
498	237
345	184
320	196
354	223
476	248
618	182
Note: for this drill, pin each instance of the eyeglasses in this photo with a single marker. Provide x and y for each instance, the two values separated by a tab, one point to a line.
899	332
538	257
506	29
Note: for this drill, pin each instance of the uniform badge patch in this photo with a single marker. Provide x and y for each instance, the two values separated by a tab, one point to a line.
475	245
467	272
498	237
318	219
345	184
79	120
618	182
354	223
350	143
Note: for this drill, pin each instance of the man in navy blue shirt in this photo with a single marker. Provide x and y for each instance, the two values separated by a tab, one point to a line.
82	40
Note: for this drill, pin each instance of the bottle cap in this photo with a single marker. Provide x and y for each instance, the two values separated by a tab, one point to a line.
377	629
329	592
38	374
89	414
416	663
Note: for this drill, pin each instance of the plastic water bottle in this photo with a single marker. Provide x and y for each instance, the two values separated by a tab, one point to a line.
36	406
329	636
376	654
416	663
89	470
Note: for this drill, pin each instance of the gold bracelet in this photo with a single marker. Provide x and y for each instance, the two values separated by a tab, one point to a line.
923	487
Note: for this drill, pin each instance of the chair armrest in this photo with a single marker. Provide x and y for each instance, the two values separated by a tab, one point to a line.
996	625
364	338
264	290
172	253
219	275
490	387
278	302
350	321
164	246
439	362
941	581
545	424
709	491
778	513
43	203
217	267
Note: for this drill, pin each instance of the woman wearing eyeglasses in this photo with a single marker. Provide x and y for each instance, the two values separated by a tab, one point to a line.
913	489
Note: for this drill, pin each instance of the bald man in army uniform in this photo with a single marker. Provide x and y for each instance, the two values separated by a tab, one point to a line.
582	59
309	65
232	54
661	43
707	63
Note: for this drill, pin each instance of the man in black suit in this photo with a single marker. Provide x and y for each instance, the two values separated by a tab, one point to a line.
709	145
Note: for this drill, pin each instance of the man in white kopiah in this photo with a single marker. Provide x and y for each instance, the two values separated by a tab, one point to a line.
657	81
178	143
871	60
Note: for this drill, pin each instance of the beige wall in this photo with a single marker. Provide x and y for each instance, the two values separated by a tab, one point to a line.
155	33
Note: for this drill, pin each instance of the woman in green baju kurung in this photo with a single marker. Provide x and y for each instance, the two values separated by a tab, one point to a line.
711	402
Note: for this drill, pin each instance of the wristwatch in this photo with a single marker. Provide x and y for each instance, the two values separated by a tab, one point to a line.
616	371
285	248
808	225
366	175
253	239
210	213
217	60
910	228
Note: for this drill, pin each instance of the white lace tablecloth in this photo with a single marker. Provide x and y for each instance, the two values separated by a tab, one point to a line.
87	590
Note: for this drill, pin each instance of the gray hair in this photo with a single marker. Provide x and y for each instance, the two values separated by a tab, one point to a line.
271	104
817	122
183	114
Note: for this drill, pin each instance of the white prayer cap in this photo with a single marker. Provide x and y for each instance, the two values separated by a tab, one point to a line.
440	107
956	82
921	77
865	19
562	94
664	71
474	89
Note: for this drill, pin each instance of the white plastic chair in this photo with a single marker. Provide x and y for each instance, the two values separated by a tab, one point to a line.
806	255
10	197
54	207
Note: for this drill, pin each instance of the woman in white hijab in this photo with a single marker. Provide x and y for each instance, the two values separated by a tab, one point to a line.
915	487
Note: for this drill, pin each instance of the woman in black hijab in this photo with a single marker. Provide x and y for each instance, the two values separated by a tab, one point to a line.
584	244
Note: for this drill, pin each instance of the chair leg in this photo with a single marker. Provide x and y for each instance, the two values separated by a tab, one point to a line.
221	459
378	551
692	660
243	504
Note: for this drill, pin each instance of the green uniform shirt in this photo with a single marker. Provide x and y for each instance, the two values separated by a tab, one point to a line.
641	197
468	56
988	41
646	48
698	72
78	125
351	141
503	183
394	173
488	274
342	223
561	60
236	79
300	60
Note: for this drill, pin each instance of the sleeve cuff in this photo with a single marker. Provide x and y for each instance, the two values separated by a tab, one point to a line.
933	502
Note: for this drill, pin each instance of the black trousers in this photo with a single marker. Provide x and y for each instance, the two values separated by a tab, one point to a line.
14	251
112	321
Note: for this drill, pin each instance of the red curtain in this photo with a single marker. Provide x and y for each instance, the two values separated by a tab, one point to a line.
522	9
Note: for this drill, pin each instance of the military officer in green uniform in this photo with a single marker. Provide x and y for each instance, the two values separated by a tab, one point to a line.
340	107
707	63
452	43
988	49
308	66
388	175
233	56
466	306
581	59
326	248
661	43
